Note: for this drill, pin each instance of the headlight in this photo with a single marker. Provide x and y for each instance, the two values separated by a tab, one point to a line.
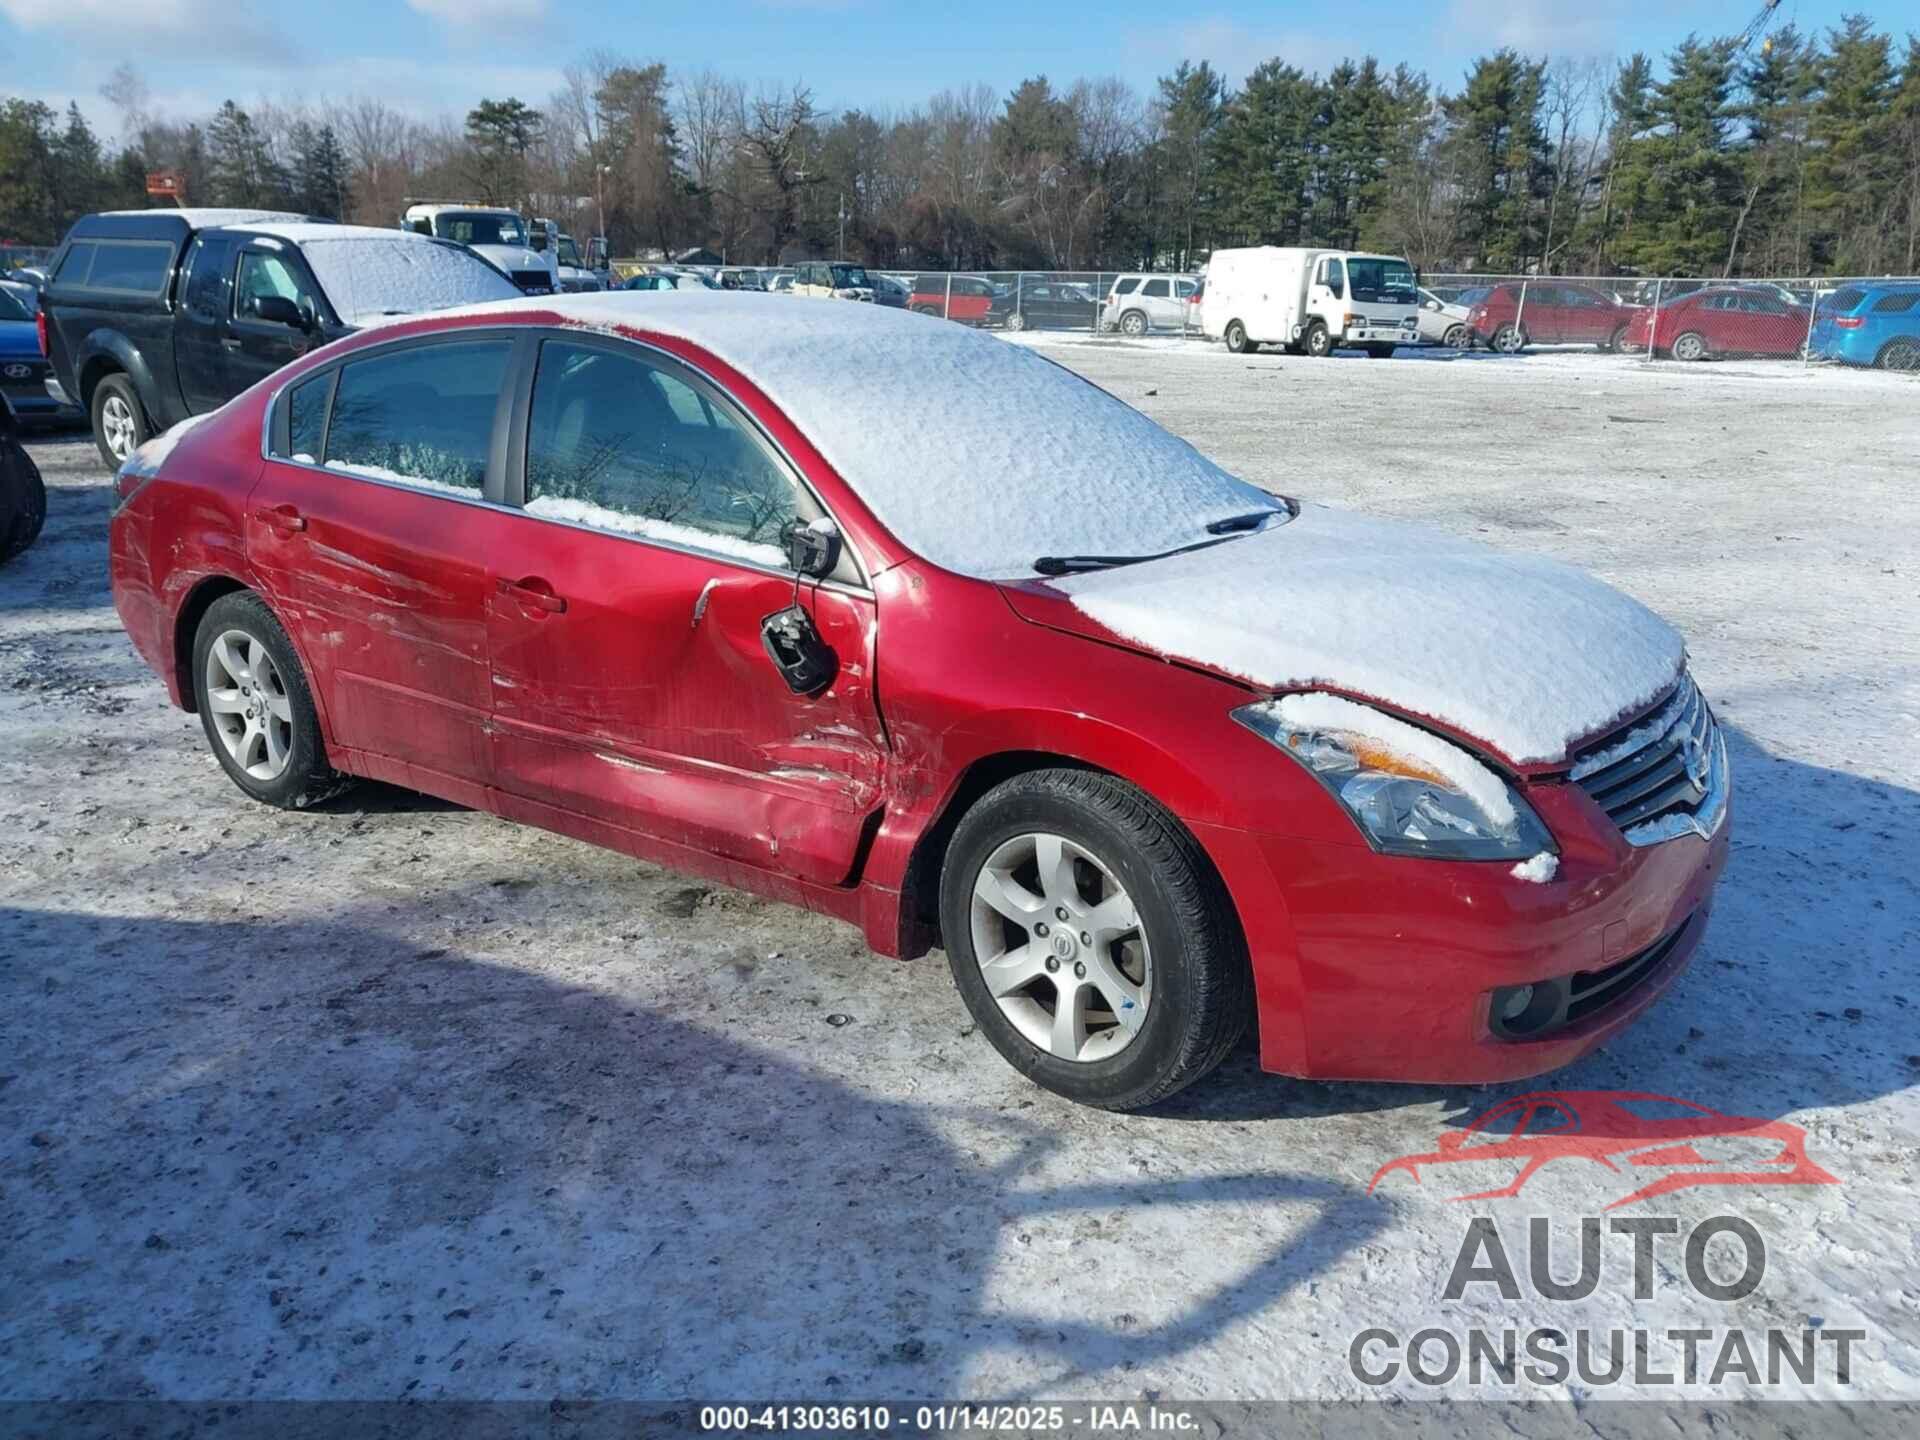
1410	792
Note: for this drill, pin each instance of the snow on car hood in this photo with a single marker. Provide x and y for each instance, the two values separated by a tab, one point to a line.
1526	654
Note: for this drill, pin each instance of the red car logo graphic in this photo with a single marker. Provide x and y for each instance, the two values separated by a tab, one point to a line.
1629	1133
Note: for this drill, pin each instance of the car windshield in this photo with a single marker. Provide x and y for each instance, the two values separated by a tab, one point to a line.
469	228
1390	281
368	276
569	252
851	277
11	308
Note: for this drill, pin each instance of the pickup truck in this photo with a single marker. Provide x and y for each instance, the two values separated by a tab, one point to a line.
154	315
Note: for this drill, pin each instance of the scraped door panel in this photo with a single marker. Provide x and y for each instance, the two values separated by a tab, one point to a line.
649	702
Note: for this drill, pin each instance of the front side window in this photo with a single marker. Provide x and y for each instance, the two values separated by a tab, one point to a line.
623	445
264	274
1335	277
209	278
422	415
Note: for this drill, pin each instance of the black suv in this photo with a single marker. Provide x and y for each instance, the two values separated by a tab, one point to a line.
155	315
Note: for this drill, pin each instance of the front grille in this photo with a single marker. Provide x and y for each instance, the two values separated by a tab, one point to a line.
534	282
1592	990
1661	768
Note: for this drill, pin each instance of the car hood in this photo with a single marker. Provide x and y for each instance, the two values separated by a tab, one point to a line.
1523	655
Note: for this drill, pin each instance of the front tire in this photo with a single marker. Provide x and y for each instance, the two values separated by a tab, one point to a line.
1318	341
256	708
1016	321
1133	323
1236	337
1458	337
1091	940
120	424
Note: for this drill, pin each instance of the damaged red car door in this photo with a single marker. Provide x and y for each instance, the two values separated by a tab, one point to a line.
632	685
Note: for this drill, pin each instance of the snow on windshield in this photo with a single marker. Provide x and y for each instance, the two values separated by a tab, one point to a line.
978	455
367	276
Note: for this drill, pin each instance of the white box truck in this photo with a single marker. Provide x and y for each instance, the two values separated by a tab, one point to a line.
497	235
1311	301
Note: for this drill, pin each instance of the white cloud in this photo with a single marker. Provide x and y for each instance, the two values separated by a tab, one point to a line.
481	14
1534	27
153	27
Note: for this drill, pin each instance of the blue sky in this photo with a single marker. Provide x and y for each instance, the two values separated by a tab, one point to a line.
439	56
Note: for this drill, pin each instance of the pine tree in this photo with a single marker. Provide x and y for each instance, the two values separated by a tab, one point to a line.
1780	82
1695	196
1192	101
502	132
1853	167
1263	156
1500	154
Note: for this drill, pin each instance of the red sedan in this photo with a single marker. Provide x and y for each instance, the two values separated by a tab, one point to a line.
1512	316
1724	320
917	629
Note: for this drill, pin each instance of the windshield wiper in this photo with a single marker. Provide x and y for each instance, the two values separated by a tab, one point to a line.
1220	530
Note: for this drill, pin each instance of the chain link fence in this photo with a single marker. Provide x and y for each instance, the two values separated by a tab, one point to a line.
1854	321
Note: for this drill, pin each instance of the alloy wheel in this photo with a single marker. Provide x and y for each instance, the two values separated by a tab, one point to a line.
1133	323
1901	355
1689	347
252	713
117	425
1061	947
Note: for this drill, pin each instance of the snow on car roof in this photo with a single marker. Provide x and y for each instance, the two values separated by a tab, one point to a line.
978	455
205	218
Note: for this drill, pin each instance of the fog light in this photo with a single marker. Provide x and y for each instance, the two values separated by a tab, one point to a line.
1515	1003
1521	1012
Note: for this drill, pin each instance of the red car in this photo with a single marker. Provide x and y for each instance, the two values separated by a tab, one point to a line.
920	630
1723	320
1663	1144
1550	312
966	298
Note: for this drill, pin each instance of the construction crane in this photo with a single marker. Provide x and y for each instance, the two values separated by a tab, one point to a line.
1754	26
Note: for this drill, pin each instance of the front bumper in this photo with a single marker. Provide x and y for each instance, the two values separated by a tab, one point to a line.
41	401
1380	335
1375	967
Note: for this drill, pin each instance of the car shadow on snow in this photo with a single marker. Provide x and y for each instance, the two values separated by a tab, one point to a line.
311	1158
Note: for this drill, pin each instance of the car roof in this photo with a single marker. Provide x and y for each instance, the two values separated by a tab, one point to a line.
172	223
300	231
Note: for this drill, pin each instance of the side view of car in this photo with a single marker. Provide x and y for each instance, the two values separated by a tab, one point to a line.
1870	323
1044	305
680	597
966	298
1721	320
154	316
1136	304
1513	315
832	280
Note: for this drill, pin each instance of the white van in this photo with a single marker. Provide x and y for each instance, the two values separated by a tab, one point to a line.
497	235
1311	301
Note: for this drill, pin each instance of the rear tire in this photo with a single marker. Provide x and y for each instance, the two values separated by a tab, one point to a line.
1170	945
1134	323
23	499
120	424
1318	341
1616	342
1902	354
1689	347
1236	337
256	707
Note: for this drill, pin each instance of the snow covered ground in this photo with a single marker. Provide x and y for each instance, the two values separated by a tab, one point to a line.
392	1098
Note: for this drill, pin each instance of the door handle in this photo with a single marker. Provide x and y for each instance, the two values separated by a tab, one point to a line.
282	518
229	343
535	592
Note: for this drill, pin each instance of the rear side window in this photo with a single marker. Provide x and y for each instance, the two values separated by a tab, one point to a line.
127	267
1897	304
1125	287
421	416
307	418
1845	300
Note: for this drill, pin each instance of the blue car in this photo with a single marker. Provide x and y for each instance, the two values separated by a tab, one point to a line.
1870	323
23	369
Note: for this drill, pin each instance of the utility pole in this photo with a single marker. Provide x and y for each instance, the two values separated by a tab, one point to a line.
842	251
600	198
